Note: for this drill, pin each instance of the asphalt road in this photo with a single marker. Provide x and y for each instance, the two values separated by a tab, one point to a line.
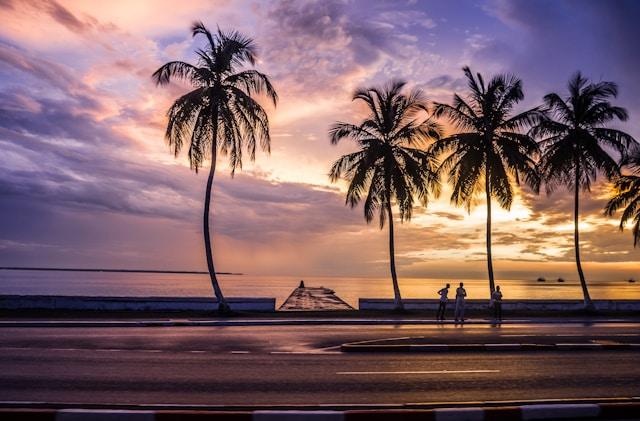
249	365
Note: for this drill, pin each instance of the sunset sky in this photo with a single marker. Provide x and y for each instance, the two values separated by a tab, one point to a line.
87	179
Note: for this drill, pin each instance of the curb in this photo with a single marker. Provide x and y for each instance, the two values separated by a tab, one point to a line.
525	412
372	347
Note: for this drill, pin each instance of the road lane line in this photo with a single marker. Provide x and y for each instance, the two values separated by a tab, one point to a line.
239	352
356	373
570	335
305	353
329	348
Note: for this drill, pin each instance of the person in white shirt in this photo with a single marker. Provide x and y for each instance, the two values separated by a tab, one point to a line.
496	301
461	293
442	305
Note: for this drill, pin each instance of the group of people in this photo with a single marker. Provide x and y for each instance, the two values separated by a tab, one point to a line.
461	294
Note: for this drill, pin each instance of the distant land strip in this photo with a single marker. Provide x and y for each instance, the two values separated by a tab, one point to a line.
188	272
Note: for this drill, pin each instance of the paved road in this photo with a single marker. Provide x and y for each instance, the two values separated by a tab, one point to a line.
248	365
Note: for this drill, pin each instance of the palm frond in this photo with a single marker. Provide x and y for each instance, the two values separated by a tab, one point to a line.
198	28
175	69
252	82
457	116
626	196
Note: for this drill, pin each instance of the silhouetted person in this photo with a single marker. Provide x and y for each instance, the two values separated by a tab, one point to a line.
496	300
301	284
461	293
442	306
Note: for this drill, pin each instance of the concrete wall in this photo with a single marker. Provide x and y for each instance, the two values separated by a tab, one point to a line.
518	305
59	302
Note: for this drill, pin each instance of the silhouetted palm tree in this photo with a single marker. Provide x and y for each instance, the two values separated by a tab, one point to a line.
575	143
491	150
389	165
626	194
219	114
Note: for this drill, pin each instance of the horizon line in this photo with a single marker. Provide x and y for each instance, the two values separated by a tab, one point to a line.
59	269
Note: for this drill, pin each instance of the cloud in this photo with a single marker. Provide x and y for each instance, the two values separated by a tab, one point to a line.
324	46
64	17
559	38
85	174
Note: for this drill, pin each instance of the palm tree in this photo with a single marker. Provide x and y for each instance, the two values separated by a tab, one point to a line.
626	194
219	114
490	151
389	165
576	143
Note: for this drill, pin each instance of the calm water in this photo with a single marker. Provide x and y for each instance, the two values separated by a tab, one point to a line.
349	289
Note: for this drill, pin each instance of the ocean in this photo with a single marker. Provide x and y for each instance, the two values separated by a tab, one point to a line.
349	289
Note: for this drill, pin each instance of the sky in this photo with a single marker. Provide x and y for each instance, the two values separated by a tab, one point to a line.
87	179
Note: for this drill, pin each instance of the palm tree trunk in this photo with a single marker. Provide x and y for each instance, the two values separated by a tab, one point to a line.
588	305
397	299
492	286
223	306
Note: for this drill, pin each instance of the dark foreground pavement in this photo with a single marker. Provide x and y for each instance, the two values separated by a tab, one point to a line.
606	411
249	366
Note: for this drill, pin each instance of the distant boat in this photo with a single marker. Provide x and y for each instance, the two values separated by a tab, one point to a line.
541	279
560	280
631	281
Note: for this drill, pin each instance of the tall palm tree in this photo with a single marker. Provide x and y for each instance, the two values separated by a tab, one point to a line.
490	151
576	143
220	114
626	194
390	166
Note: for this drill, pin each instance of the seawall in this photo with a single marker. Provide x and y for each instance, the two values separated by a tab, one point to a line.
261	304
61	302
507	305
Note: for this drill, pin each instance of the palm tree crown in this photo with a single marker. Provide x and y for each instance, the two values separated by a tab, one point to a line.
575	139
576	144
626	194
219	114
390	166
490	151
221	108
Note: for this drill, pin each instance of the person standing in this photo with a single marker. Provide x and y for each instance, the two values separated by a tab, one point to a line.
496	300
442	305
461	293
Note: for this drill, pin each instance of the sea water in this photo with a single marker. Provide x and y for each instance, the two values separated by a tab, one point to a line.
349	289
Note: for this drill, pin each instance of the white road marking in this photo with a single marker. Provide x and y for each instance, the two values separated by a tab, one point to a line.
571	335
402	338
305	353
329	348
239	352
349	373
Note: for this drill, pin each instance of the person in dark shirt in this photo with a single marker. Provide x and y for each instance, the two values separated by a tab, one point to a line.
442	305
496	300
